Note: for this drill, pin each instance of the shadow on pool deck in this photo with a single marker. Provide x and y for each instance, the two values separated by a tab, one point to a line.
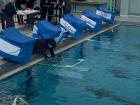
10	68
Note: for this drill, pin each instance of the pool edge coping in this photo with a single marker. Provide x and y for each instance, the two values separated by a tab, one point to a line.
20	69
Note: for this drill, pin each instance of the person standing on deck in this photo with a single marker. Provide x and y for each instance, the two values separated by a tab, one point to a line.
10	11
43	6
18	7
67	7
41	46
2	13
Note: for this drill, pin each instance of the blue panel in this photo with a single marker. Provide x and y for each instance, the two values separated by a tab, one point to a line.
94	21
78	24
108	15
23	43
46	30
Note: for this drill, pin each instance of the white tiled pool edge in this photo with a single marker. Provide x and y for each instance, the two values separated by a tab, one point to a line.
4	76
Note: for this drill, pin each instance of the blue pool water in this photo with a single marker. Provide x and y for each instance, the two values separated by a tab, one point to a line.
102	71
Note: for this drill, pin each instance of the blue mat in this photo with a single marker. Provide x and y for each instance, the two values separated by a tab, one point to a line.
15	46
108	15
93	21
73	25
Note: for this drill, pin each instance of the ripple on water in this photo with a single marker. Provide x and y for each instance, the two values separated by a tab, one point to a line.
65	73
137	46
102	93
131	57
120	73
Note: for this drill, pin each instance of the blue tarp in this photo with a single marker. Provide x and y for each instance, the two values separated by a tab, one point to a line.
92	20
45	30
108	15
73	25
15	46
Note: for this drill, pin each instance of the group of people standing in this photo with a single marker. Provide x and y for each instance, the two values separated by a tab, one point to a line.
47	7
8	9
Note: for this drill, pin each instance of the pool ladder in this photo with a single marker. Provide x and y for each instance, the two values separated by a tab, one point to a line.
19	98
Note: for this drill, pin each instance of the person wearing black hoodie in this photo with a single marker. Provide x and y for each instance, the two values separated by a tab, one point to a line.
43	45
10	11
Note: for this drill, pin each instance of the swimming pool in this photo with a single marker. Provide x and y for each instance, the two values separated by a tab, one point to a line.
101	71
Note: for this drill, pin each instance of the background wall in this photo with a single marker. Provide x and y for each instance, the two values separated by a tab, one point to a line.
134	7
130	7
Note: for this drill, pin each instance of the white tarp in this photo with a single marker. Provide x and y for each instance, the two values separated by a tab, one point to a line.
67	26
9	48
105	15
88	21
35	29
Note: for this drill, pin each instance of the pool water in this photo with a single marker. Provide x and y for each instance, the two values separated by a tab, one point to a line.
104	70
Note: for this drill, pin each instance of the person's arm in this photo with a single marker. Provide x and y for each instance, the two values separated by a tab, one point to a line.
13	9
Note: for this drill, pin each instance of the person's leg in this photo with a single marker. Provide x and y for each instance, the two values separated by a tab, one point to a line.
50	45
19	18
43	13
50	13
10	22
60	13
51	52
3	20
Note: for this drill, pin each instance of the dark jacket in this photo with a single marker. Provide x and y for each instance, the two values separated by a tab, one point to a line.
42	45
10	9
43	3
30	3
18	4
25	2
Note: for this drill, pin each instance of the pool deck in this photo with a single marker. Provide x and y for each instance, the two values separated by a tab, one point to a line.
8	69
